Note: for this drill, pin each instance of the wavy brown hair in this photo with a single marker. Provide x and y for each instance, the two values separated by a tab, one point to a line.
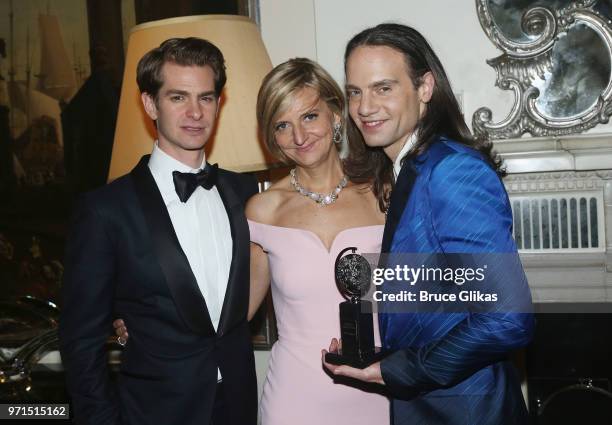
190	51
442	117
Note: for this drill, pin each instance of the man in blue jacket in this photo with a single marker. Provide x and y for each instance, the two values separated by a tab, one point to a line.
447	198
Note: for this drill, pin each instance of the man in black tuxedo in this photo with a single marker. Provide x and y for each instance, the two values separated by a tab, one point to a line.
166	248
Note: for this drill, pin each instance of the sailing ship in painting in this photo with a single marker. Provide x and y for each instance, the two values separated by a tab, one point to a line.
36	101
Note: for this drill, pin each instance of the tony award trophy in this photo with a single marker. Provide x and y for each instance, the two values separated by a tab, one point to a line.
353	278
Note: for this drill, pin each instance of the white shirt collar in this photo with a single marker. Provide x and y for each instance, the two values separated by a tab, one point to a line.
162	165
397	165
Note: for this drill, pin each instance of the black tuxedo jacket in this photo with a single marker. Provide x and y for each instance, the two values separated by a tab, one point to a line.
123	259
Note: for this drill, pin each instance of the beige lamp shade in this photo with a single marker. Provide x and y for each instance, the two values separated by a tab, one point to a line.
235	145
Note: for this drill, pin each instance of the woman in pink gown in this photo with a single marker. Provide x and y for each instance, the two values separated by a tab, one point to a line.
298	227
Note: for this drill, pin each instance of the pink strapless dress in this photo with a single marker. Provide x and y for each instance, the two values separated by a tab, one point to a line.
297	390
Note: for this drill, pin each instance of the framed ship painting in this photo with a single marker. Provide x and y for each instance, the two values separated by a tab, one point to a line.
59	95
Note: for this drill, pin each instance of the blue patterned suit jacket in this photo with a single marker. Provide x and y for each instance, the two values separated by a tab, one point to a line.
452	368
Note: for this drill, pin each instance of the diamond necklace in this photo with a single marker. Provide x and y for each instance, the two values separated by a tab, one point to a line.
319	198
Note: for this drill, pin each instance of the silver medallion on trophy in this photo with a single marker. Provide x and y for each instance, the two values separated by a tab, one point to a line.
353	278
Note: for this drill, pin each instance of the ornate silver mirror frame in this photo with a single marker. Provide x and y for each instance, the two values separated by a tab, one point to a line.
559	68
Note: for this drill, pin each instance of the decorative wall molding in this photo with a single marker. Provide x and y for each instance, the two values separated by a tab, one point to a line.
555	182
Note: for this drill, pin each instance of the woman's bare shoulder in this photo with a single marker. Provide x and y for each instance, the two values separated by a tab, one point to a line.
262	207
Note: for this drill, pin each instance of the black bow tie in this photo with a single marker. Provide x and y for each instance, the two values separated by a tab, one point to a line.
186	183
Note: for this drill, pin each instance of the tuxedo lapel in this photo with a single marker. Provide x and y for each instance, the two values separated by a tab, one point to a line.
174	264
397	204
233	302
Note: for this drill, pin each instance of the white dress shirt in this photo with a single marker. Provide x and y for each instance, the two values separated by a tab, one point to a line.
202	228
408	144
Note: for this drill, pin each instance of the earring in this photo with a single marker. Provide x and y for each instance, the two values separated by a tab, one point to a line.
337	133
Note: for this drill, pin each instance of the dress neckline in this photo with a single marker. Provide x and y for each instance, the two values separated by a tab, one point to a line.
334	239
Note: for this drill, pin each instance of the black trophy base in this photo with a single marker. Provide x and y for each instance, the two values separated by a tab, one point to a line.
362	362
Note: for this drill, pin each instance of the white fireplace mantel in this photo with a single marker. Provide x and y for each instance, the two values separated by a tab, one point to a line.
576	153
571	167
